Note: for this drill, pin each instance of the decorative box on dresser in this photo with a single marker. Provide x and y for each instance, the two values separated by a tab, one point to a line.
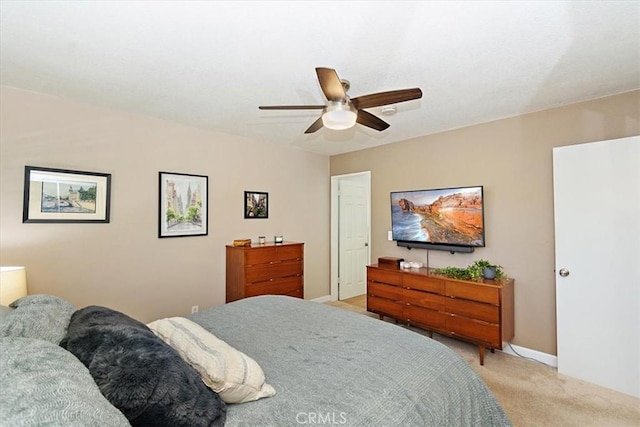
267	269
480	312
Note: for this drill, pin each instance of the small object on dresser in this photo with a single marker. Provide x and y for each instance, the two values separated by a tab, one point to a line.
261	240
278	239
242	242
389	262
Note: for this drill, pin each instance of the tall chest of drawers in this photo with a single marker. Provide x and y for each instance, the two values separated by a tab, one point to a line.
477	312
272	268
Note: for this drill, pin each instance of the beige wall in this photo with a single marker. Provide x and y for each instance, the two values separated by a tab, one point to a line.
512	159
124	264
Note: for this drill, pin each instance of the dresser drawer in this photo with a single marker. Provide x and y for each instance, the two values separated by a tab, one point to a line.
263	272
260	255
424	317
476	330
380	290
473	292
384	276
474	310
385	306
423	299
289	252
273	254
287	286
423	283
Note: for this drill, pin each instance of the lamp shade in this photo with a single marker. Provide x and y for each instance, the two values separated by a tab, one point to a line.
13	284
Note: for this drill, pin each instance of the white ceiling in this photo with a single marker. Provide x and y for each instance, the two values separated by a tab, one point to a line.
210	64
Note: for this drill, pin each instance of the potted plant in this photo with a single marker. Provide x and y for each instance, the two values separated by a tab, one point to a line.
489	271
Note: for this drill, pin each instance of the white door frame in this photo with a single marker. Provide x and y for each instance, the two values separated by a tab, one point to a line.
335	185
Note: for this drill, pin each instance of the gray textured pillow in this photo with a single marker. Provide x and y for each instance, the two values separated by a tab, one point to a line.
45	317
43	384
4	310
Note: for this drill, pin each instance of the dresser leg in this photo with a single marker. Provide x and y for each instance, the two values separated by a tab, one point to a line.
481	353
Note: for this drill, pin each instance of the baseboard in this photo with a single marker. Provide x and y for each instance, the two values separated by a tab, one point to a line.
516	350
322	300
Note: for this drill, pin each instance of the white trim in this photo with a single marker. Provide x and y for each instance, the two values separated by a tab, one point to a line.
516	350
322	300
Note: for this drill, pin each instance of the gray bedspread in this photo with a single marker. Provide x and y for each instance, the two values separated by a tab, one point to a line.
331	366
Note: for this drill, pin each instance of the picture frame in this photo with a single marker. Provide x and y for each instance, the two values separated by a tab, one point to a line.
256	205
65	196
183	205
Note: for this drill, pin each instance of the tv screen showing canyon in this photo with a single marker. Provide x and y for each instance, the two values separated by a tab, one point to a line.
451	216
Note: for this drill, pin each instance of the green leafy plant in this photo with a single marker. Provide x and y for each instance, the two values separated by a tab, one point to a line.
474	271
453	272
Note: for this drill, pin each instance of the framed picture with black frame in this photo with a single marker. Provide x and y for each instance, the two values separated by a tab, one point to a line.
256	205
65	196
183	205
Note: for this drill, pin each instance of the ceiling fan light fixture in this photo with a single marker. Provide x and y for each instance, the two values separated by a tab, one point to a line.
339	115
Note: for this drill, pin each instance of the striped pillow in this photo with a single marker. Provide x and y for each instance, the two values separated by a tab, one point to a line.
236	377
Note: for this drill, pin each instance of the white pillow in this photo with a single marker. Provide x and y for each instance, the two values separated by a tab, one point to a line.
236	377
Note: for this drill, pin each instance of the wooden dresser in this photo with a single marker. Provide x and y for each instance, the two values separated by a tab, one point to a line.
479	312
272	268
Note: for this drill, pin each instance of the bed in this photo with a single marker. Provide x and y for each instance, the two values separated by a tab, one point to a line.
325	366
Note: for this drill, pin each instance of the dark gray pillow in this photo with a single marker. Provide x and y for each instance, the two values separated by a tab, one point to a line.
42	384
139	373
45	317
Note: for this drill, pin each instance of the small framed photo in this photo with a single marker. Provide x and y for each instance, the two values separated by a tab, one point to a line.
256	204
184	205
61	195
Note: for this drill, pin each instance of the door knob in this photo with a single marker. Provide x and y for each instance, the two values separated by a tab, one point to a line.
563	272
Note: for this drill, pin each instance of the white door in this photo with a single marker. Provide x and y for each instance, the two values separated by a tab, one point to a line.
597	237
353	240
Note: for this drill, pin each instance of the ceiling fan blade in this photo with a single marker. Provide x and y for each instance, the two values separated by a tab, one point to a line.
385	98
365	118
315	126
291	107
331	84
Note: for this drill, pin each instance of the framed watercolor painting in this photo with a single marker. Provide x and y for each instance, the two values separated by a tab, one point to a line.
184	205
62	195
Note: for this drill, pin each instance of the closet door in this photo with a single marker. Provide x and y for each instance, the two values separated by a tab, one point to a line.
597	242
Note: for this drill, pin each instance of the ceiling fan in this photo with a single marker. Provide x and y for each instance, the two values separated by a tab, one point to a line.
342	112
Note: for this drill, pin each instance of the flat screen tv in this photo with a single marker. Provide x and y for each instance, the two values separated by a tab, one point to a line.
451	217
